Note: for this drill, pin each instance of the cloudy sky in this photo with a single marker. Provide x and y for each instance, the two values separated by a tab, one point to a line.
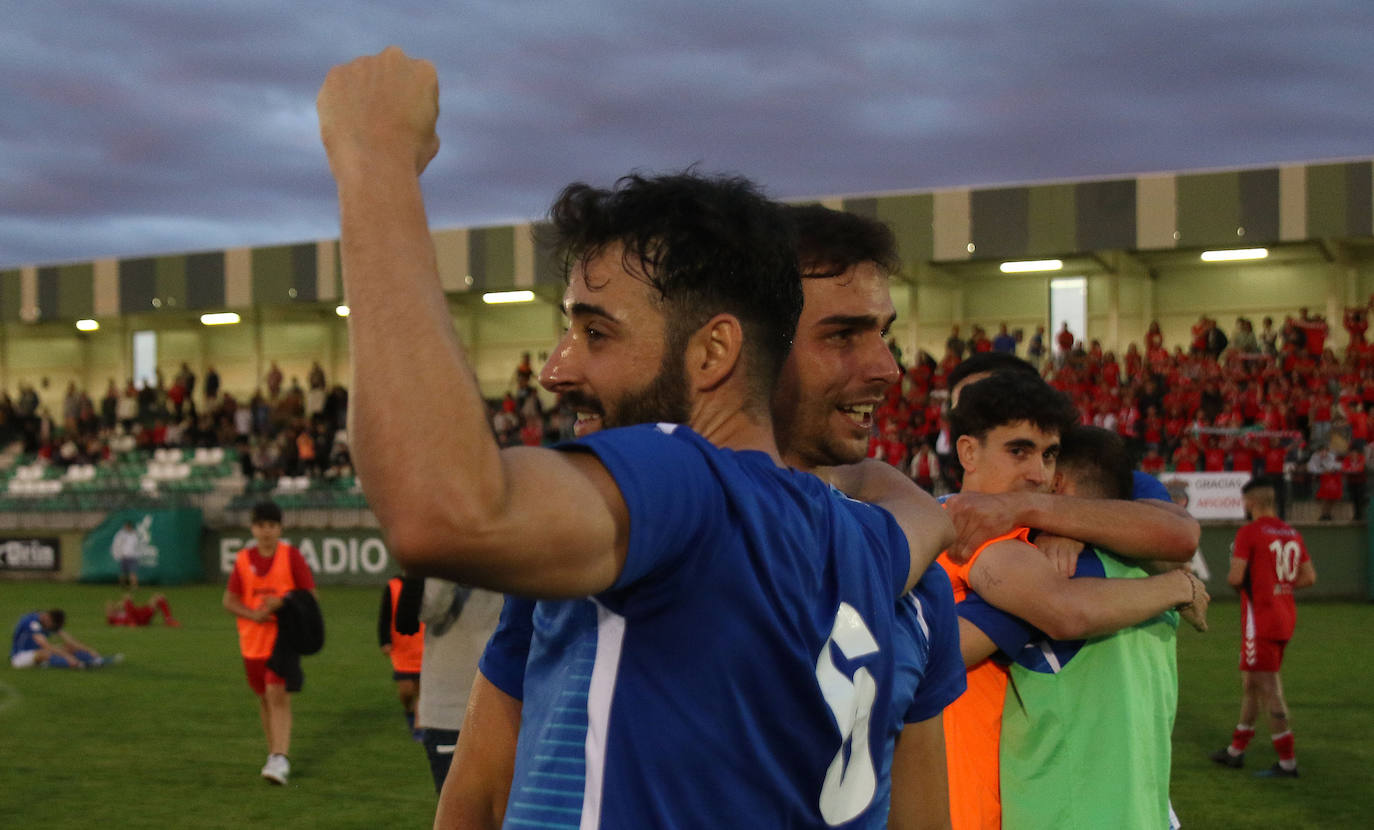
144	126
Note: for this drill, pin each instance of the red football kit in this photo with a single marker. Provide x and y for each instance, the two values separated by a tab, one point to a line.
1275	553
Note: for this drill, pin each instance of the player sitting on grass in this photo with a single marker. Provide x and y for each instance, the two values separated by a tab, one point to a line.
36	643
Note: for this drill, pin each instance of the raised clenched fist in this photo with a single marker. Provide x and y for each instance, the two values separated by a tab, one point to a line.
379	108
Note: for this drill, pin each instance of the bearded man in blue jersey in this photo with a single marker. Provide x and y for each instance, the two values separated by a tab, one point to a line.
734	659
839	368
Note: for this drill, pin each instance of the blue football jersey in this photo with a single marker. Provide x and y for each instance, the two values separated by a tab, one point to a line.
929	666
508	647
24	631
929	670
741	668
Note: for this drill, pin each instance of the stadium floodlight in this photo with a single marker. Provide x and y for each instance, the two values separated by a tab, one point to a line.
87	325
494	297
1235	255
1030	266
341	310
219	318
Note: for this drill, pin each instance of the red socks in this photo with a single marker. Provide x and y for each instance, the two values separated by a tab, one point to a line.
1240	738
1283	745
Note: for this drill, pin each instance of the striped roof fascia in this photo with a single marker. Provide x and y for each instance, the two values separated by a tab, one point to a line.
1152	211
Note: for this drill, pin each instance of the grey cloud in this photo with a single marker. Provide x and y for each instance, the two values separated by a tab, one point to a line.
143	126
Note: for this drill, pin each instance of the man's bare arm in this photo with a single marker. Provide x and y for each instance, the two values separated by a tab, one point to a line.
55	648
974	645
928	529
1235	577
75	644
452	503
1144	528
920	778
478	783
1307	575
1014	577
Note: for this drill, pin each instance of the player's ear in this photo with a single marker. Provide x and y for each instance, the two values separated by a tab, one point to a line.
967	449
714	351
1057	483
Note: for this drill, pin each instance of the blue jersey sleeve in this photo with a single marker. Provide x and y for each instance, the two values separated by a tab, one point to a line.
1146	486
945	678
886	536
669	489
1050	656
1007	631
508	649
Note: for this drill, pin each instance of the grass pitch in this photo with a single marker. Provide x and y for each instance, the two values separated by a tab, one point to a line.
1328	679
171	737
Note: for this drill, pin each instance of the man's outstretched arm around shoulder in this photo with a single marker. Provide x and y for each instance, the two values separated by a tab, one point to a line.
927	526
1013	577
1143	528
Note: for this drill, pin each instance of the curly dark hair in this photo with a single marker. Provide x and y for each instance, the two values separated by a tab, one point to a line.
1098	460
706	244
830	242
1009	398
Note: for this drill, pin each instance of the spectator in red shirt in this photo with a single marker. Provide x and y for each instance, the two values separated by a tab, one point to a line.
1242	457
1327	467
1314	331
1185	458
1353	468
1358	419
1154	340
924	466
1134	362
1356	324
1153	462
1200	329
1213	457
1321	418
1064	341
979	342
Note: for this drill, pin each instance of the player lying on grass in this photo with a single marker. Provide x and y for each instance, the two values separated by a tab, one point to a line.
129	613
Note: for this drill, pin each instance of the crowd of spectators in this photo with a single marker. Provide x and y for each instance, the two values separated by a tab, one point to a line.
288	429
520	418
282	429
1280	401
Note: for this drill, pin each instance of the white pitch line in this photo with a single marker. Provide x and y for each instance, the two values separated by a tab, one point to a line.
9	696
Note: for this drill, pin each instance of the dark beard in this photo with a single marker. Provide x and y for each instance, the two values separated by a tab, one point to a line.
663	400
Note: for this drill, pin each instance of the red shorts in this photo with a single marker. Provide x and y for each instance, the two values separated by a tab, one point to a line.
259	675
1259	654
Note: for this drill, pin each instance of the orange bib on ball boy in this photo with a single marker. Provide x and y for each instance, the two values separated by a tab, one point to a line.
257	638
